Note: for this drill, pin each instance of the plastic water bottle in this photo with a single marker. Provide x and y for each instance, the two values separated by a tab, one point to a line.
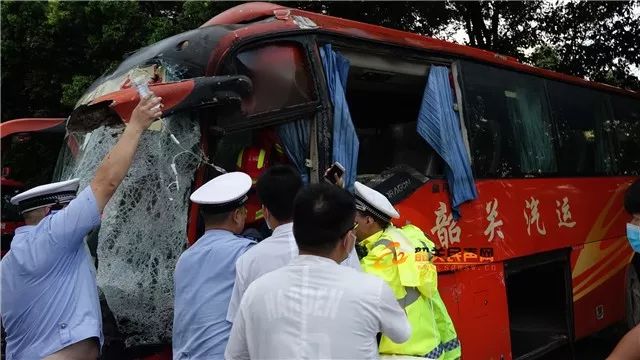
142	85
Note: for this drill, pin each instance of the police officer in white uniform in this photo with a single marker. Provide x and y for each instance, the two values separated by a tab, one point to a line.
205	272
50	306
314	308
276	189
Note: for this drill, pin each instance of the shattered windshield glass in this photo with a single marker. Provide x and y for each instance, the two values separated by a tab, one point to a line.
144	225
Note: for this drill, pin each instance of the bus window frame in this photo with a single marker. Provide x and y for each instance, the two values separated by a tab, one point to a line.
612	138
383	49
554	143
276	116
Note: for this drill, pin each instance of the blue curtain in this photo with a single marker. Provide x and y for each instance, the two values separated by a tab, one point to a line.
295	139
345	139
439	125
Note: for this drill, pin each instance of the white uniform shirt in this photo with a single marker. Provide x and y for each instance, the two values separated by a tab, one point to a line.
270	254
315	309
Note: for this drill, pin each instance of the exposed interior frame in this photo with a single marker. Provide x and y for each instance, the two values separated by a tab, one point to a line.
388	58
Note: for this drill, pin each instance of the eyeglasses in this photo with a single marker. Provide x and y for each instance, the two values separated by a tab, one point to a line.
355	226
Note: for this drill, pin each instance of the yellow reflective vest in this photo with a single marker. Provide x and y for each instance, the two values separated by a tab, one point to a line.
401	257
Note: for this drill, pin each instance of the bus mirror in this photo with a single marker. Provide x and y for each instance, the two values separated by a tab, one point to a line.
187	95
215	91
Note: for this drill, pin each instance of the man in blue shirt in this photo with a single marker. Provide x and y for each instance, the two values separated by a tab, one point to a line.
205	272
50	306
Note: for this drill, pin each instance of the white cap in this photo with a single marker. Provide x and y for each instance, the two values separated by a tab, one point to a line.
374	202
227	191
45	195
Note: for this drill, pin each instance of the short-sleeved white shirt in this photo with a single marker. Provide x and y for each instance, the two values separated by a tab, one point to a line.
315	309
270	254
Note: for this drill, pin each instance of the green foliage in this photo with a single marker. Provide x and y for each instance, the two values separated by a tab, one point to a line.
597	40
71	92
52	50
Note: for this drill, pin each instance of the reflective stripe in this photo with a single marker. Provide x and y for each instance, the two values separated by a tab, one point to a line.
412	296
261	157
384	242
435	353
412	293
451	344
442	348
259	214
239	161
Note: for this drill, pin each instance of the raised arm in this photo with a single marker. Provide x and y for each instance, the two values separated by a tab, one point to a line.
115	165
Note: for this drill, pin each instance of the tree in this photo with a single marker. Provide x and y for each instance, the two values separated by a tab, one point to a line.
600	42
426	18
506	27
596	40
52	51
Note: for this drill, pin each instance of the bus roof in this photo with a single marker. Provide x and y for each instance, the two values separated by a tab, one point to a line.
251	13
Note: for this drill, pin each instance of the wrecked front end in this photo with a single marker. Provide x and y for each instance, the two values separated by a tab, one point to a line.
144	226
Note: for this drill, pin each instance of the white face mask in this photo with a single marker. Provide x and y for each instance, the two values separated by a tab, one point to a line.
352	244
266	221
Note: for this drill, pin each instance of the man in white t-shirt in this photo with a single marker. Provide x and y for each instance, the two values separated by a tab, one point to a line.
276	189
313	308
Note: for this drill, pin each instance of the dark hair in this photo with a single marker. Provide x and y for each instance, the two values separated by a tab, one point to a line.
382	223
322	214
632	198
211	216
277	189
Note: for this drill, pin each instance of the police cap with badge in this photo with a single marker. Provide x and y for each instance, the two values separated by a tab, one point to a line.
374	203
55	195
224	193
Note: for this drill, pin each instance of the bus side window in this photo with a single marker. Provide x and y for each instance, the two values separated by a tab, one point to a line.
585	127
627	128
508	122
384	95
280	76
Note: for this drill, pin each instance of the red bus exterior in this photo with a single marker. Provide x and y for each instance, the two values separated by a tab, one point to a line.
475	298
516	218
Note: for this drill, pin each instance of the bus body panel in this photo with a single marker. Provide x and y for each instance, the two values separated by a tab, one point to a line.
592	212
354	29
599	290
511	218
28	128
599	258
483	322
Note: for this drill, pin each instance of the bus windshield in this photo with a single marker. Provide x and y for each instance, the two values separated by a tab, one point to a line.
144	225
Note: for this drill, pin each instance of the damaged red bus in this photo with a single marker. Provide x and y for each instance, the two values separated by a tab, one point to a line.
538	257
